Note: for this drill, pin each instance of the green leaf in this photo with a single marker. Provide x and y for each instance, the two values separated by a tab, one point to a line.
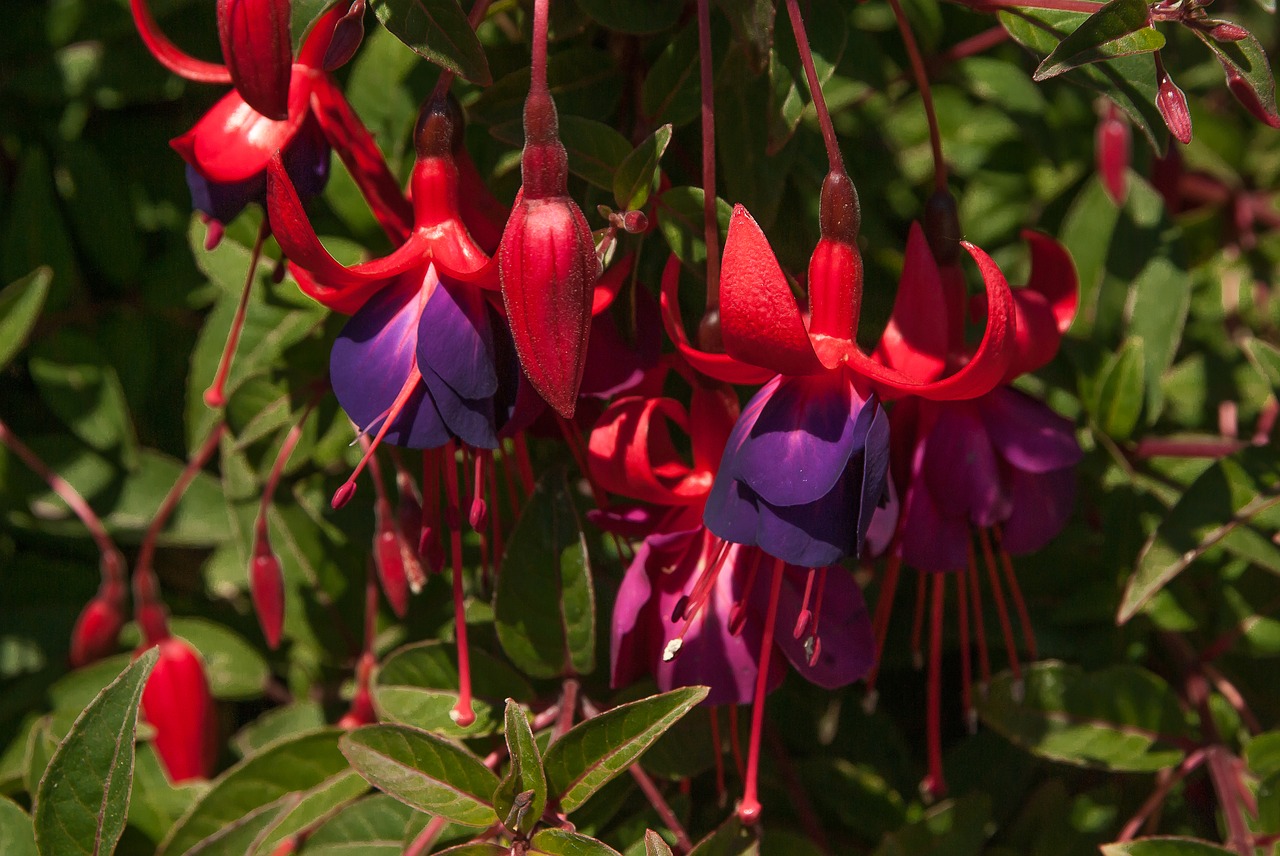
544	606
424	771
1224	497
157	803
261	783
525	781
373	826
1266	359
731	838
20	305
680	219
561	842
593	752
434	665
1119	398
1119	28
1164	846
236	670
956	827
1247	59
278	723
654	845
315	804
596	151
1262	753
1121	719
17	835
35	234
1130	81
477	848
430	710
827	25
651	16
638	174
82	388
83	798
436	30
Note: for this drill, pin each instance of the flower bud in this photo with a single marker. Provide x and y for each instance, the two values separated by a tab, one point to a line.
179	706
1112	146
390	564
1244	92
97	631
1172	105
1225	31
266	587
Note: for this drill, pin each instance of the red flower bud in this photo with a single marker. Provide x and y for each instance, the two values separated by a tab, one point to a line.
97	630
1172	105
177	703
1112	146
390	564
266	586
1225	31
1244	92
256	43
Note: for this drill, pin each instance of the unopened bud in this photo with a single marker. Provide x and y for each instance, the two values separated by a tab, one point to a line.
942	228
839	213
266	586
1112	149
179	706
433	135
635	222
1225	31
1172	105
97	631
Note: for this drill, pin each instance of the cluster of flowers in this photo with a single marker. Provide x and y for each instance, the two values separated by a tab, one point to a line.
482	318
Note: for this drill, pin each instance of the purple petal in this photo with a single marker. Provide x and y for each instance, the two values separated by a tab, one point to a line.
844	628
961	468
371	360
930	541
730	511
875	466
1028	434
455	340
614	363
223	200
817	533
1042	504
468	419
633	645
802	440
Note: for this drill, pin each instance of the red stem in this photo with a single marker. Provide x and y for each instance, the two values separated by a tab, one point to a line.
538	67
834	158
710	222
216	395
478	11
647	786
926	93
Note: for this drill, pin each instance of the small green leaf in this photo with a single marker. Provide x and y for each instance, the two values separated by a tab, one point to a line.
17	835
437	30
83	798
1164	846
561	842
1119	395
638	173
731	838
1266	359
544	606
424	771
82	388
522	794
593	752
1119	28
596	151
650	16
20	305
1224	497
654	845
1121	719
303	15
1262	753
315	804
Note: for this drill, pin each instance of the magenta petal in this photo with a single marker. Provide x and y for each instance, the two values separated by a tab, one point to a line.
1028	434
930	541
960	466
371	361
1042	504
844	628
635	621
801	442
455	339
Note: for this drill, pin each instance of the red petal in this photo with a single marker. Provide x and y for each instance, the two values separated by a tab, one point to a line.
719	366
256	44
759	317
233	142
610	283
1053	275
915	340
989	362
319	41
1045	306
434	188
631	453
170	55
362	158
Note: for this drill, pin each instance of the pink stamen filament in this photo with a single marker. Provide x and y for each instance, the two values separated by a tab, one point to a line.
966	664
1002	612
462	712
479	513
578	450
1015	591
979	622
917	625
690	606
343	494
216	395
738	615
935	784
714	714
817	618
749	809
880	620
804	616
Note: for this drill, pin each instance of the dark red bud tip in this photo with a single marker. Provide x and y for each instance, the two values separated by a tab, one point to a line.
942	227
434	135
541	122
839	214
1229	32
343	495
1172	105
478	515
635	222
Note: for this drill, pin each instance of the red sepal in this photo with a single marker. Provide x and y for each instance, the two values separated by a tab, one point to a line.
179	705
256	43
759	317
170	55
915	341
1045	307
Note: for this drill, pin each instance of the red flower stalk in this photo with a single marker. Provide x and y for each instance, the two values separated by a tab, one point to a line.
547	258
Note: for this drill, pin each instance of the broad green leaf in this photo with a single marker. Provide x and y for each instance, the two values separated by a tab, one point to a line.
83	798
1262	753
372	826
525	781
35	235
315	804
731	838
1120	719
278	723
651	16
436	30
424	771
1119	28
17	835
434	665
97	203
671	91
584	81
82	388
1266	359
20	305
1119	392
1247	60
562	842
638	173
156	802
827	26
1224	497
680	219
593	752
1130	81
1164	846
430	710
596	151
260	783
544	606
654	845
752	22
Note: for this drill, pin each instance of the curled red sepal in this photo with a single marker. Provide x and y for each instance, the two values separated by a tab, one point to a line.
631	453
719	366
1045	306
915	341
170	55
256	44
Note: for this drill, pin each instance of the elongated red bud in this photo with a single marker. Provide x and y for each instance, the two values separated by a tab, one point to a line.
1244	92
97	631
361	711
1225	31
348	33
266	586
256	44
391	571
1112	147
179	706
547	264
1172	105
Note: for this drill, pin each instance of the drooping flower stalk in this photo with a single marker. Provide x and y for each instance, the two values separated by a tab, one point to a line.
926	92
216	395
709	328
749	808
835	160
